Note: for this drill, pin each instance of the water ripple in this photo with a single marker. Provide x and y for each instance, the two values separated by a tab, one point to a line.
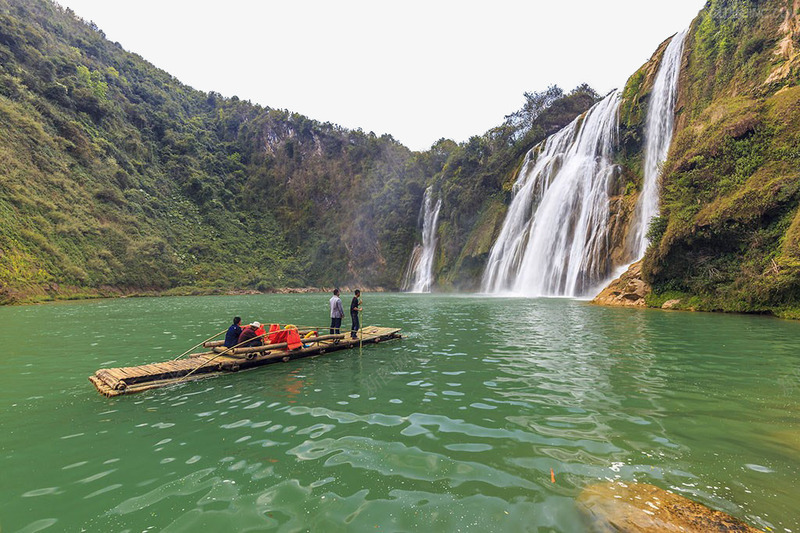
457	427
187	485
392	458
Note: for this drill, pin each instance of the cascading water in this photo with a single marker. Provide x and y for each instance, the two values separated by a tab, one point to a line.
658	136
419	275
554	240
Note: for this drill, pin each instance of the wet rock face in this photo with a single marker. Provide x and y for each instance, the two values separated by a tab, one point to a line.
627	290
642	508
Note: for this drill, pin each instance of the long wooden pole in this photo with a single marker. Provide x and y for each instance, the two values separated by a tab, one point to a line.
200	344
202	363
361	329
267	347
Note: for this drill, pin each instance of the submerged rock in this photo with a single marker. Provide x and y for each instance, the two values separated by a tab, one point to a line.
642	508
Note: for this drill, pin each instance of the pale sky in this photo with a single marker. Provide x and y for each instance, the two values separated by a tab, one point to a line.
419	70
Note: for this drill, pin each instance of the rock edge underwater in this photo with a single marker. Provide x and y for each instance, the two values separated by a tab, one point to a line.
643	508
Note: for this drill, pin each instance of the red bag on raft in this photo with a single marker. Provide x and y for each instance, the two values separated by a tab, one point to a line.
290	336
293	338
272	329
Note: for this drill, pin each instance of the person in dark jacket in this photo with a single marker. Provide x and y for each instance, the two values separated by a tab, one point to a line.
355	308
249	332
232	336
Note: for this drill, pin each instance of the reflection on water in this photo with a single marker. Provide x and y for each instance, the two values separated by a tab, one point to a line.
456	427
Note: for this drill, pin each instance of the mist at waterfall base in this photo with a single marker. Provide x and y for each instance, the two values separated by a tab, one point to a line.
555	239
419	273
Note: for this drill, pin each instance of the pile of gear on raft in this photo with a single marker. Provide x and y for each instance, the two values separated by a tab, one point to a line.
254	334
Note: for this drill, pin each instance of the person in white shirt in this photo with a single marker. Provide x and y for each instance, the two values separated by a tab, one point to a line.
337	312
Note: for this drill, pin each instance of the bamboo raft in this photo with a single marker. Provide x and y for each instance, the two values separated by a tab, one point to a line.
219	360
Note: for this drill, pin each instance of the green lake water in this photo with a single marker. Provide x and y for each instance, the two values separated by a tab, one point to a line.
456	427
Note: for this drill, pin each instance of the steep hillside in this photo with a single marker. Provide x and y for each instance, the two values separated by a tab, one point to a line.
729	233
115	177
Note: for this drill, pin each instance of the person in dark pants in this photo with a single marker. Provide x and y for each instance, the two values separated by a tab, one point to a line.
355	308
337	312
232	336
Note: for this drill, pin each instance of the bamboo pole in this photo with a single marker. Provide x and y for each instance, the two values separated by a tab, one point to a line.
200	344
223	353
267	347
361	328
260	348
213	344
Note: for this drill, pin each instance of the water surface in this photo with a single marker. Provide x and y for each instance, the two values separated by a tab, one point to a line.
454	428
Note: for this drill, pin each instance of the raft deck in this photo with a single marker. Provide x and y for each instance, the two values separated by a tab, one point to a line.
128	380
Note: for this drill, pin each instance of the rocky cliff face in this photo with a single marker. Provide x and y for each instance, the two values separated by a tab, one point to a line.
728	238
728	235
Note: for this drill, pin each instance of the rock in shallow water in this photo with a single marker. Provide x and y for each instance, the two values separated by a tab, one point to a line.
628	290
642	508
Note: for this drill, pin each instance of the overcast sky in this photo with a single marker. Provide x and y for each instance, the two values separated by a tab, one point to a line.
417	69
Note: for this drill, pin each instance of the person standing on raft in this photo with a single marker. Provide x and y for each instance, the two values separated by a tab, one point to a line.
232	336
355	308
337	312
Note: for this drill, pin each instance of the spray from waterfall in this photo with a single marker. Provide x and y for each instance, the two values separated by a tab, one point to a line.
419	274
658	136
555	238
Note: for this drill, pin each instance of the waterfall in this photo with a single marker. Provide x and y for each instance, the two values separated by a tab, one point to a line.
419	275
554	240
555	237
658	137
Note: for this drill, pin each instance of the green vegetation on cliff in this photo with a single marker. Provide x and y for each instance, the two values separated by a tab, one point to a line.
116	178
730	226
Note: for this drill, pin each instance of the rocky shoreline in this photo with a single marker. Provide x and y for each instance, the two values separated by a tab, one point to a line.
628	290
59	292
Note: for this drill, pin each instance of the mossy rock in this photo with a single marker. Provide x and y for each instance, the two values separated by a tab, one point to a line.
642	508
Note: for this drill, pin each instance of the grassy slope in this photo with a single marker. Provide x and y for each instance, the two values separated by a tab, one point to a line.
729	234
